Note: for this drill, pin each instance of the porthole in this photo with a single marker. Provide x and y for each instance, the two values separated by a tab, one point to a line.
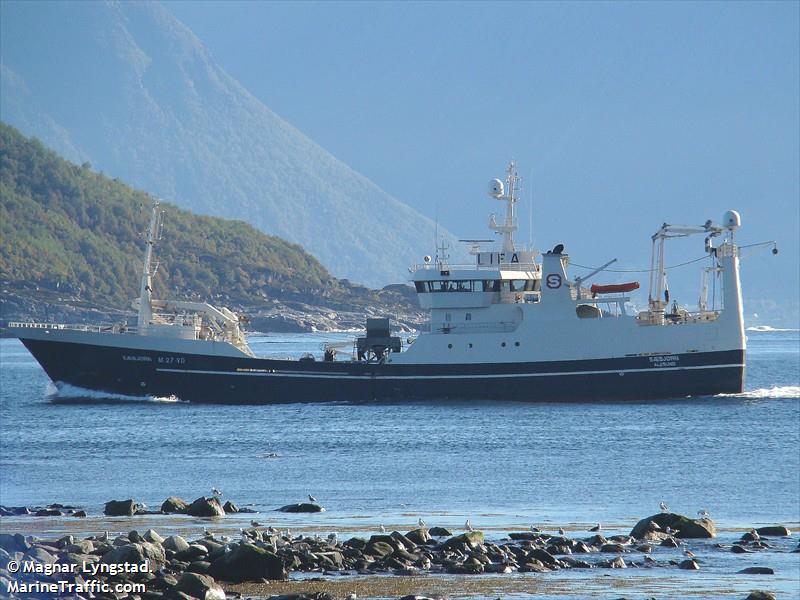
470	345
449	345
503	344
516	343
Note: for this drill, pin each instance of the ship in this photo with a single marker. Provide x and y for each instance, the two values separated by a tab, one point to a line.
510	324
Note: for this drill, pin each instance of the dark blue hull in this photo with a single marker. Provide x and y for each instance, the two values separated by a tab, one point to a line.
217	379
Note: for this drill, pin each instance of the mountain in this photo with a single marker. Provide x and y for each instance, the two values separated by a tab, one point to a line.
127	87
72	236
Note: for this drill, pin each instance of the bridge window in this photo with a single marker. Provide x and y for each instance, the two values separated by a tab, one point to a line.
468	317
491	285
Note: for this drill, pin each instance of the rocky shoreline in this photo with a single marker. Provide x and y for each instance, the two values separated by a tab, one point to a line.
212	565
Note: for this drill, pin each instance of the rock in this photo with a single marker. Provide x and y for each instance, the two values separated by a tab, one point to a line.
302	507
378	548
81	547
151	536
615	548
200	586
173	504
48	512
175	543
737	549
40	555
760	595
670	543
465	569
756	571
685	527
13	543
205	507
230	508
199	566
439	532
248	563
774	530
689	564
120	508
419	536
136	553
79	513
524	535
468	539
134	536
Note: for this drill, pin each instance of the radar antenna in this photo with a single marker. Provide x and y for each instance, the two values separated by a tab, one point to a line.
509	195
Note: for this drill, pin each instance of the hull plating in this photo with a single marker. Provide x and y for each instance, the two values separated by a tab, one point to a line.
234	380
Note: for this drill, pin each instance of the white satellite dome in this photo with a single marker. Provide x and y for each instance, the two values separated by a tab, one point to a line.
496	189
731	220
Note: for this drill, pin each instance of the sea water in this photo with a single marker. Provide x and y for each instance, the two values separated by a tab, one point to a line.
504	465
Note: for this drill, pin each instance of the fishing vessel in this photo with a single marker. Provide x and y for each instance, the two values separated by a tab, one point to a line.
513	324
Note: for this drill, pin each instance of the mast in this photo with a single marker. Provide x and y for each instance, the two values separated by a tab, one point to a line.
509	226
146	291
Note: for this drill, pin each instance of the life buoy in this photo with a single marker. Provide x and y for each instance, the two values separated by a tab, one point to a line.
614	288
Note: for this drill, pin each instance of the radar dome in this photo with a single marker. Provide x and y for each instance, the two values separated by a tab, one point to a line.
496	188
731	220
427	258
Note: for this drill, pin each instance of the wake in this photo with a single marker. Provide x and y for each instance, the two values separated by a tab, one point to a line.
70	393
778	391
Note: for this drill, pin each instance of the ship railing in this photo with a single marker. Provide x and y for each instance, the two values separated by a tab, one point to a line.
114	328
517	266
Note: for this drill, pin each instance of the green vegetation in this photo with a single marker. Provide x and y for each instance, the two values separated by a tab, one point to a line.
68	230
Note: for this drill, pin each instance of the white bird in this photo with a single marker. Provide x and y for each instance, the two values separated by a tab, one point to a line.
468	526
703	514
754	535
535	529
597	527
312	499
421	522
664	507
332	537
670	531
561	531
216	492
383	529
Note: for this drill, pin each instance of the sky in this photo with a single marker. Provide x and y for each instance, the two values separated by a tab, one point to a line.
620	116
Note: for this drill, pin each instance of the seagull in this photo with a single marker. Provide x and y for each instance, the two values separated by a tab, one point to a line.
468	526
332	537
421	523
382	529
535	529
689	553
670	531
754	535
597	527
255	524
561	531
664	507
312	499
649	559
654	526
216	492
703	514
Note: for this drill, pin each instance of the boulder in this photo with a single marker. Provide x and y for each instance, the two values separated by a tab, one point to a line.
175	543
760	595
756	571
173	504
247	563
13	542
136	553
439	532
685	527
48	512
230	508
689	564
79	513
302	507
468	539
774	531
120	508
419	536
200	586
205	507
151	536
378	548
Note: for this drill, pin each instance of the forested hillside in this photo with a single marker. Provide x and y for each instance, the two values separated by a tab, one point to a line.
76	234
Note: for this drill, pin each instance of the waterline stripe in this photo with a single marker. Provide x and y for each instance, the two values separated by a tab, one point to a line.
487	376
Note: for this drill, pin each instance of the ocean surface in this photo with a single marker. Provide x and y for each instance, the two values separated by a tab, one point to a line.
503	465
